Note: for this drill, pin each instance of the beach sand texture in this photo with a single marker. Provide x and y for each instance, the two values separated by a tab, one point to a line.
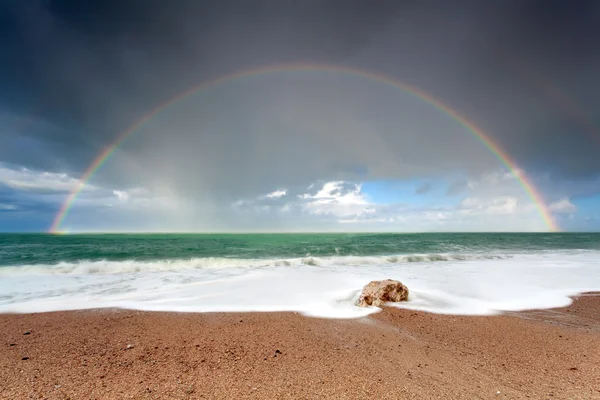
394	354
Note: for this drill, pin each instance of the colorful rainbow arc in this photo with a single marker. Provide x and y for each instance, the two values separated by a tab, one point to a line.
418	93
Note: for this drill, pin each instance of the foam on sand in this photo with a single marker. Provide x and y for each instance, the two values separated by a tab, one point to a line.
323	287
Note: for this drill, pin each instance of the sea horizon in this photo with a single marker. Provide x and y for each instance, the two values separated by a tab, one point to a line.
289	232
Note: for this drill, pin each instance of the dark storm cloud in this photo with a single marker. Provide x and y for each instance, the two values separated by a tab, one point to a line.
89	69
69	60
92	68
13	201
543	93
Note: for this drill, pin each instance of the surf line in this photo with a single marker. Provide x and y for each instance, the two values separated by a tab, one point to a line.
417	93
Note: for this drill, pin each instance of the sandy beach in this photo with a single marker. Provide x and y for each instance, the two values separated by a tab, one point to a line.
394	354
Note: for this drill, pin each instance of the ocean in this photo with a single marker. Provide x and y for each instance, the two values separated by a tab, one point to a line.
317	275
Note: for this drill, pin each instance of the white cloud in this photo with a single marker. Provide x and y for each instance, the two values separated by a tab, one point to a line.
504	205
563	206
339	191
492	202
7	207
495	178
43	182
121	195
366	221
339	199
141	197
276	194
37	181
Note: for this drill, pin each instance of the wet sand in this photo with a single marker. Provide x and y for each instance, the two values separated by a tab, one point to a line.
394	354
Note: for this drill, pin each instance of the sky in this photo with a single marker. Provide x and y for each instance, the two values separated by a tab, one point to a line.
299	149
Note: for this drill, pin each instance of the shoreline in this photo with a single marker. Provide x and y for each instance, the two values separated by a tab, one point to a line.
395	353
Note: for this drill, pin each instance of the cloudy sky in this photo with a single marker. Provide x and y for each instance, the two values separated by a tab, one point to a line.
299	149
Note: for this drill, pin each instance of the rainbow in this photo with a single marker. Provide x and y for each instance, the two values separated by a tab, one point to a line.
481	136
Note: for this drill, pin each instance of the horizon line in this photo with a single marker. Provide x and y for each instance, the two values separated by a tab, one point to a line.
276	232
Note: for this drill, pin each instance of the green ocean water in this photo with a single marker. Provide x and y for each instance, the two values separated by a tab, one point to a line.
32	249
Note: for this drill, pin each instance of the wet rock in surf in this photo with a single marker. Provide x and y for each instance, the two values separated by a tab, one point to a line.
375	293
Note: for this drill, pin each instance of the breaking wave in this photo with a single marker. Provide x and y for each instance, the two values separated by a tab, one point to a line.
466	284
132	266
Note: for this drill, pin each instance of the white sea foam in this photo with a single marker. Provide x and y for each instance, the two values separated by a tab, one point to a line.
117	267
325	287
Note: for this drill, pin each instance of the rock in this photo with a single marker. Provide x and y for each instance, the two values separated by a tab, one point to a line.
25	358
277	351
375	293
129	346
27	333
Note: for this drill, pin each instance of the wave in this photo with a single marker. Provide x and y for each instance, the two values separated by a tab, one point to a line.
466	284
165	265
